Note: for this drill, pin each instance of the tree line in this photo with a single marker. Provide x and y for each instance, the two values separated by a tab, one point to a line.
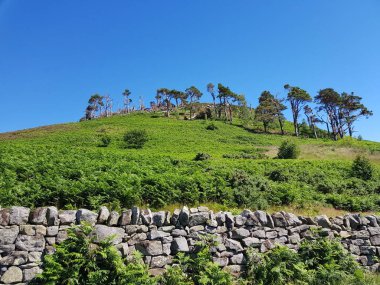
337	112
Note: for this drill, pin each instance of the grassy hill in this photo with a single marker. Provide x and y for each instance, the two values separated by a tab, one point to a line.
64	165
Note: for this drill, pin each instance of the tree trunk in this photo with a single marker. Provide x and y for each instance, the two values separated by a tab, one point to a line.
281	126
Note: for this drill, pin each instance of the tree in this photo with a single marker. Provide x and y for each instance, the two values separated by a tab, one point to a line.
127	99
352	109
329	101
311	119
95	103
297	98
194	95
279	107
266	112
210	89
167	95
107	106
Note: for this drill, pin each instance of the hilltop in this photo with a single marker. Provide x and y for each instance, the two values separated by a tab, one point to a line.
64	165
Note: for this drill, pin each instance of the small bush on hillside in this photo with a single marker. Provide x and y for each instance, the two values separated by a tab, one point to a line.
136	138
288	150
105	140
362	168
211	127
202	156
78	260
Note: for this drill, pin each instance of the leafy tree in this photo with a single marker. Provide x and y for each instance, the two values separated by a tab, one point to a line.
266	112
136	138
297	98
329	101
194	95
311	119
211	90
352	109
167	95
362	168
127	100
280	107
226	97
95	103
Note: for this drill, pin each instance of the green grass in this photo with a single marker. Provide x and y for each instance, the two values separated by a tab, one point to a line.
63	165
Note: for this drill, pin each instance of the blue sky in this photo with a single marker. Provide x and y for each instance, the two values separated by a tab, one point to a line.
55	54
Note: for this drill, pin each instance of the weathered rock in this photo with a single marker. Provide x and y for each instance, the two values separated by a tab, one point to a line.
4	217
237	259
159	218
103	232
135	216
198	219
131	229
19	216
233	245
221	261
230	221
113	219
8	235
323	221
103	216
279	220
375	240
84	215
251	242
240	233
67	217
179	244
155	234
52	216
38	216
15	258
146	217
12	275
126	218
150	248
30	273
160	261
184	216
30	243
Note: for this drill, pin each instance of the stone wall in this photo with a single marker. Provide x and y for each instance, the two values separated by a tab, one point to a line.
26	235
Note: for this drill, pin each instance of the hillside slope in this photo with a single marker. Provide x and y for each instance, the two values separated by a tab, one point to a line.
63	165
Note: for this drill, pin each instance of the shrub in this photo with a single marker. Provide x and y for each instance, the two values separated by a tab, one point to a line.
78	260
136	138
362	168
211	127
105	140
202	156
288	150
318	262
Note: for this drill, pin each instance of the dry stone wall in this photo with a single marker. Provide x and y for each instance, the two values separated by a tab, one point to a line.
27	235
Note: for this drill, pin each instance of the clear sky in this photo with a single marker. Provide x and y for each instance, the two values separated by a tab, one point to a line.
55	54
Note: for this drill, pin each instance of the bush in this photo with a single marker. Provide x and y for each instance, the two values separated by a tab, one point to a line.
212	127
78	260
105	140
136	138
202	156
288	150
362	168
318	262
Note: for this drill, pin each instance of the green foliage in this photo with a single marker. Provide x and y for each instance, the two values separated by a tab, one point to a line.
362	168
288	150
105	140
196	270
212	127
79	260
202	156
318	262
136	138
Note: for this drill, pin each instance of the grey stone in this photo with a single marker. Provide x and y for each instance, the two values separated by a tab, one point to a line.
84	215
30	243
374	231
375	240
30	273
372	221
113	219
131	229
233	245
4	217
155	234
251	242
7	248
136	238
52	231
62	235
8	235
220	218
240	220
35	257
292	219
126	218
323	221
196	229
271	234
198	219
237	259
179	244
103	232
230	221
29	230
221	261
52	216
103	216
146	217
150	248
279	220
160	261
67	217
259	234
15	258
203	209
12	275
262	217
179	232
38	216
184	216
159	218
19	216
240	233
135	215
